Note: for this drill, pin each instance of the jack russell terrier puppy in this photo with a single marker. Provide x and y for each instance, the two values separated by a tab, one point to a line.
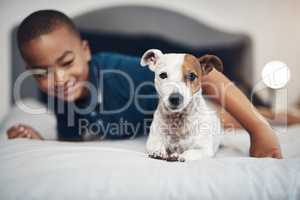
184	127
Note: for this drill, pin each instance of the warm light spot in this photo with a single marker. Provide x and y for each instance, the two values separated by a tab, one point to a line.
276	74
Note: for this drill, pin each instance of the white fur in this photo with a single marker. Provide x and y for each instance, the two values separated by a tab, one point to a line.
200	133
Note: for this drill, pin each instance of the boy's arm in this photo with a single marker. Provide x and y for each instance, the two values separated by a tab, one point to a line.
264	142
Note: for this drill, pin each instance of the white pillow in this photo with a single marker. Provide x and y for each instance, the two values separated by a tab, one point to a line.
44	123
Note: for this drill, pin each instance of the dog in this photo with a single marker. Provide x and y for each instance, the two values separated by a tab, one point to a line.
184	126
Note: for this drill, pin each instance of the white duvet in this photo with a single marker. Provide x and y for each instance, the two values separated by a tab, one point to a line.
120	169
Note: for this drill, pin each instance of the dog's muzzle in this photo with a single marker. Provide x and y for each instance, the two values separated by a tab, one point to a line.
175	100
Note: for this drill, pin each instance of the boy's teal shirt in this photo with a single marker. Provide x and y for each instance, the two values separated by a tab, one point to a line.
120	104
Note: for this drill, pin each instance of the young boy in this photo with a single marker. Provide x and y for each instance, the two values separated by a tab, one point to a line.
96	91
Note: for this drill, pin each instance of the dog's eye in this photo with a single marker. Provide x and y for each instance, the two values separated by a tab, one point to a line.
191	76
163	75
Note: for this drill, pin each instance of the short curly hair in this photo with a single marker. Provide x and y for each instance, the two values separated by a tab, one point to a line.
43	22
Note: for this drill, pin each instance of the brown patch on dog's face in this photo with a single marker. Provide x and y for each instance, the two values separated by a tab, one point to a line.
192	72
194	68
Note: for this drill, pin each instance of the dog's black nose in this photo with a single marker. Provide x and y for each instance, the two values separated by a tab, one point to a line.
175	99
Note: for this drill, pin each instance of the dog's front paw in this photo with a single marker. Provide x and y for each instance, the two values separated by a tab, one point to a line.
162	155
173	157
181	158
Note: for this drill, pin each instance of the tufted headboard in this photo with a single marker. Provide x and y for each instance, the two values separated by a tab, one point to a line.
133	29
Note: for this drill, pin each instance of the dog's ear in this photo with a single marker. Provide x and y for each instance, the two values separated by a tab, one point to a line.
208	62
150	58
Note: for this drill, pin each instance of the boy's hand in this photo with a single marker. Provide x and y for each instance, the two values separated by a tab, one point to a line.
264	143
23	131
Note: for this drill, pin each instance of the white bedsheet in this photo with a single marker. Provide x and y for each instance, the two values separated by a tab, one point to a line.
120	170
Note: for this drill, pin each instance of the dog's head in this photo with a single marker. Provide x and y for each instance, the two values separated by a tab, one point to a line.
178	76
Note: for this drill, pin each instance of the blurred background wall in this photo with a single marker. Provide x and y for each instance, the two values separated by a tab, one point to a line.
273	25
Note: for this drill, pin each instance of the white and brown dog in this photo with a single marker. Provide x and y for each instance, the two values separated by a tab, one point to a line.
184	127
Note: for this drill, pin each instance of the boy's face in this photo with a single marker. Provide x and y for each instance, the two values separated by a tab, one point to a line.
62	61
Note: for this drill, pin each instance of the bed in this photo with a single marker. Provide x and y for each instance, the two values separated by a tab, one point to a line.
120	169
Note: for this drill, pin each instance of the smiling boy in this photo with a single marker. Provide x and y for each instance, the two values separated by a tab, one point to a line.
64	68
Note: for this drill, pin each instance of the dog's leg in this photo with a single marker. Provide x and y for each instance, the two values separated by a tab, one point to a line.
155	146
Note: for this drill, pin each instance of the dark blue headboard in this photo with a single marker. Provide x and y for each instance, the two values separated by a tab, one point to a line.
136	45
